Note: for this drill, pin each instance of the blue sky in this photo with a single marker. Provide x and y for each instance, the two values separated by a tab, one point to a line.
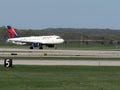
39	14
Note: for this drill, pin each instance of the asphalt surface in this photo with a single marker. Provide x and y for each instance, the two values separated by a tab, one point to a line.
65	62
76	53
69	62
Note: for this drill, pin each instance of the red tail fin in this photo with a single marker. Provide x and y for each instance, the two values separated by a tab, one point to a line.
12	33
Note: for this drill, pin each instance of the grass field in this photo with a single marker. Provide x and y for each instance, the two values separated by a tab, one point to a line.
76	46
59	78
70	46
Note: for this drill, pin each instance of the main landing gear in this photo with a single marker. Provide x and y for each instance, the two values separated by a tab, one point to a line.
31	47
40	47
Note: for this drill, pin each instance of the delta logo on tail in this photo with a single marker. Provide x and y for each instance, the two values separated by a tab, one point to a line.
12	33
34	41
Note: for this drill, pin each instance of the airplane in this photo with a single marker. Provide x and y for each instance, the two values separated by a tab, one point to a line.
33	41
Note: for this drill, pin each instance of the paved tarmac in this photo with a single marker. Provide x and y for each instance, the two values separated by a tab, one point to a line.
65	62
78	53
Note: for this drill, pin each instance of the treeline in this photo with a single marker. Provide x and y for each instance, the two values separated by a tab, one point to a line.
70	34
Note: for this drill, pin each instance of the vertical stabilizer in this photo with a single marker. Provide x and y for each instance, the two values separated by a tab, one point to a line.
12	33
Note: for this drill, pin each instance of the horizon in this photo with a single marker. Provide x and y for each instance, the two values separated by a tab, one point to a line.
59	28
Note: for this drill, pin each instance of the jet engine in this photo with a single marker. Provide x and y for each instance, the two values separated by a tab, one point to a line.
36	44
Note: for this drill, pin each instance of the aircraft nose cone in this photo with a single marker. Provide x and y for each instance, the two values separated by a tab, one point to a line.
62	40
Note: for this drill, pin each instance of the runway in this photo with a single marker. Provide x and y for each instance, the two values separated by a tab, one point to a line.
66	62
62	53
78	53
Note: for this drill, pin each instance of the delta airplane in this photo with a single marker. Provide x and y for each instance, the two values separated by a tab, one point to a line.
33	41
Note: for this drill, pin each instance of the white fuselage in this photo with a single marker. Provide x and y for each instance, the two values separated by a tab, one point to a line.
37	39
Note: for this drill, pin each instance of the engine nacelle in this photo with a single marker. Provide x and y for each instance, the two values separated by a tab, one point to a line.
36	44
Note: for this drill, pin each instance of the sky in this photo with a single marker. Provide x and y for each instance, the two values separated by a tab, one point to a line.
40	14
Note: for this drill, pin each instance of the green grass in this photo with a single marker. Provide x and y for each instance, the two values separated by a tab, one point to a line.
76	46
69	46
59	78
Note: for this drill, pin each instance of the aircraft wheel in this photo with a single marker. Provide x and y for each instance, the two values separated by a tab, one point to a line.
40	47
31	47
